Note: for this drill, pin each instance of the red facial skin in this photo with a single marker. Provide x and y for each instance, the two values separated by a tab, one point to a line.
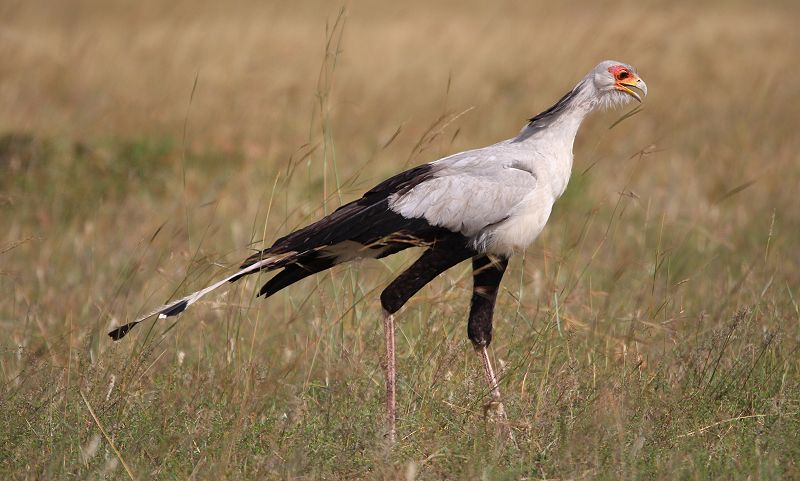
621	73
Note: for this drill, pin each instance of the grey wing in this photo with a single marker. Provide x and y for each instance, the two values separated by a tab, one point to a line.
467	193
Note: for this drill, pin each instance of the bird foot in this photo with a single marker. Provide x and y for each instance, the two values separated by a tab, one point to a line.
494	411
390	437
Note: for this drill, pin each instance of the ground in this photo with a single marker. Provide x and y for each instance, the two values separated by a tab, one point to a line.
651	332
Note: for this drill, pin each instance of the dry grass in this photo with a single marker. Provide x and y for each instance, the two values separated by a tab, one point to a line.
652	332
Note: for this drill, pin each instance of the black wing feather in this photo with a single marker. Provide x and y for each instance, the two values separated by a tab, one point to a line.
364	220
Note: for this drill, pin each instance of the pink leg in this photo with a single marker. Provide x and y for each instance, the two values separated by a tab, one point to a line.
492	381
391	408
496	404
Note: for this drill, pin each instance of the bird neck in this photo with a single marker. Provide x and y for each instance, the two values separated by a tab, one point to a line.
563	119
551	134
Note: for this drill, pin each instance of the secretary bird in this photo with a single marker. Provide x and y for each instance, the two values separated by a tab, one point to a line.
485	204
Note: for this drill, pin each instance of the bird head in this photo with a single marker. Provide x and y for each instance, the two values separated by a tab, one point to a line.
617	83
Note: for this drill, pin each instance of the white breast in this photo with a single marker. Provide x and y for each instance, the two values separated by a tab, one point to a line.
521	228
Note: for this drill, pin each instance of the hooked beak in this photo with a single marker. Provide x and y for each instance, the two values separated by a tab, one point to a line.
633	86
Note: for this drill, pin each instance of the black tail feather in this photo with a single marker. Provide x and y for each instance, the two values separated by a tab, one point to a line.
175	309
120	332
295	272
169	311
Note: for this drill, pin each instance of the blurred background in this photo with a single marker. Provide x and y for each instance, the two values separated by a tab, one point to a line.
147	147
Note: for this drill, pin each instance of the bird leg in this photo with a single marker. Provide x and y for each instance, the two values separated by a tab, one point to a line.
433	262
494	387
391	379
487	272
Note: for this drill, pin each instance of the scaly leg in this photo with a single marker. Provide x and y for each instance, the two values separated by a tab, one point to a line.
487	274
391	380
491	379
433	262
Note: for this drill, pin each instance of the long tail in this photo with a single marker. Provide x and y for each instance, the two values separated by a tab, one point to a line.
366	227
176	307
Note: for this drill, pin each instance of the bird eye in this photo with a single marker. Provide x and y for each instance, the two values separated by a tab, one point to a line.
623	75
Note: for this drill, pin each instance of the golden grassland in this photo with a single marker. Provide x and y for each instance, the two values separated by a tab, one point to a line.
652	332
